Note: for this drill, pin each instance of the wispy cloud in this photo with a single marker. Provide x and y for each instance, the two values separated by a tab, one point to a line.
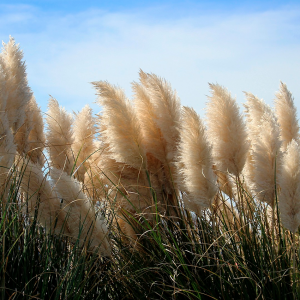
243	51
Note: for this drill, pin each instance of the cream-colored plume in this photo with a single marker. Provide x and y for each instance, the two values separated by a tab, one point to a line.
226	131
289	180
152	135
81	217
267	158
8	151
40	195
18	91
195	159
159	166
159	110
127	187
84	146
287	116
255	108
36	138
60	137
30	137
167	111
122	131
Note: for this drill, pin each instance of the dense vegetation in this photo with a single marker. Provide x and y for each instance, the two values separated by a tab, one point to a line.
145	200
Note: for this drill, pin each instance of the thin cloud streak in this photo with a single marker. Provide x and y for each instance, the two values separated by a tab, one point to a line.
249	51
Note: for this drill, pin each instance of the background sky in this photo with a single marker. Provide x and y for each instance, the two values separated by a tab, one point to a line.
242	45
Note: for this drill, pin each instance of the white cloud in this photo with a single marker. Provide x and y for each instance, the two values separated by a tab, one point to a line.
245	51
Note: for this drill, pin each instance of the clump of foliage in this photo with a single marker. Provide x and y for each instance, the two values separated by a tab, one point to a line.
146	200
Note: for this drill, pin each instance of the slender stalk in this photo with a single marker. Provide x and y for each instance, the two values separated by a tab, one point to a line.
3	256
294	266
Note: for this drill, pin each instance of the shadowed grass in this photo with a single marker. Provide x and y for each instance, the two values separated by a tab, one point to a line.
173	257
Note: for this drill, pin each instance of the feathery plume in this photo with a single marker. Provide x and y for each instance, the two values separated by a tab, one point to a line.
7	146
287	116
93	177
196	160
122	132
60	137
41	196
36	138
289	180
8	151
82	219
167	110
84	132
159	110
154	142
255	108
267	158
227	131
18	91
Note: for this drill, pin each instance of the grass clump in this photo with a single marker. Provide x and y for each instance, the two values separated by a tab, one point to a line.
146	200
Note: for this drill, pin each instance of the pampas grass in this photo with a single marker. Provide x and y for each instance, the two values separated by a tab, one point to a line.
255	108
59	137
36	138
265	156
167	110
8	151
289	180
267	159
196	161
18	91
41	198
226	131
287	116
110	193
82	220
84	146
154	142
122	131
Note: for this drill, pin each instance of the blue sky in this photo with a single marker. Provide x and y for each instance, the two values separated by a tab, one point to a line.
243	45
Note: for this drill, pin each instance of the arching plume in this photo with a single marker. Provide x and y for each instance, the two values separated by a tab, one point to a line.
154	141
195	160
167	112
18	91
289	180
267	158
36	138
82	219
7	146
84	132
158	109
122	129
255	108
39	194
227	131
60	137
287	116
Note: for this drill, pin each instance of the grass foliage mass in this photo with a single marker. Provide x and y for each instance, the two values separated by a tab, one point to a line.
145	200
